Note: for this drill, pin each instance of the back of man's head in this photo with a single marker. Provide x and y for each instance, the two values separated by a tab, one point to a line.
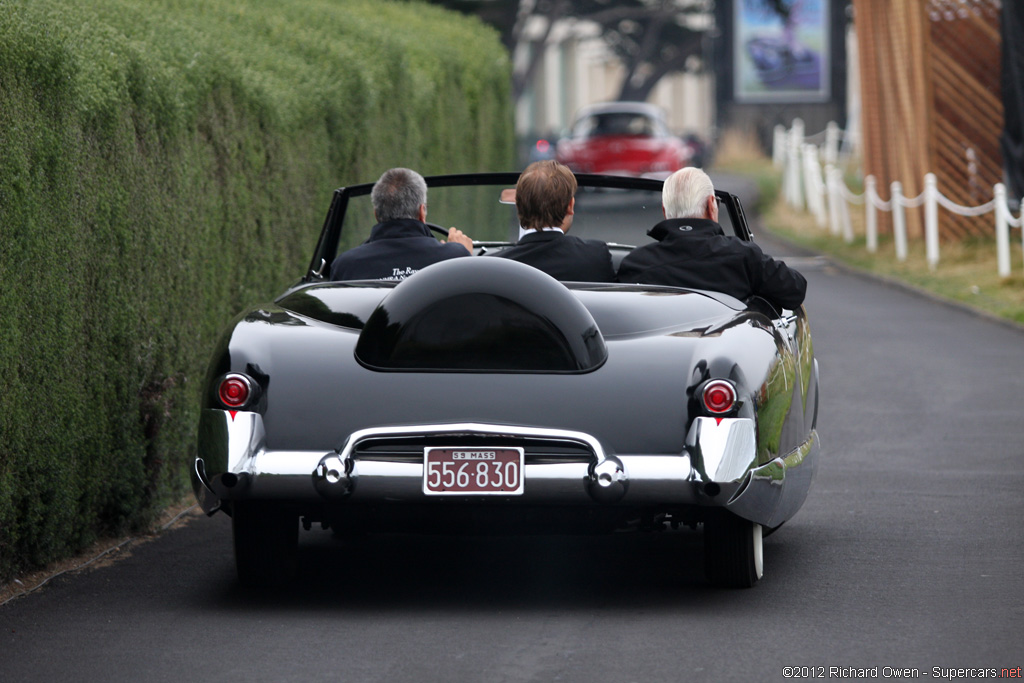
685	193
543	194
399	193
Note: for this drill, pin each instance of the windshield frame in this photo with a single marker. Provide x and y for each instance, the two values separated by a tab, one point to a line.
330	236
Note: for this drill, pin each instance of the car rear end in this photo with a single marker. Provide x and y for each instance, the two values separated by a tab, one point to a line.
634	156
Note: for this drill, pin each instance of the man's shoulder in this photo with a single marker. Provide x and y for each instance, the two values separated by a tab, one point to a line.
352	254
740	247
342	263
586	240
588	244
644	250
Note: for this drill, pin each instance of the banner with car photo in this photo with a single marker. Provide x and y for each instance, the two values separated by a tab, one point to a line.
781	50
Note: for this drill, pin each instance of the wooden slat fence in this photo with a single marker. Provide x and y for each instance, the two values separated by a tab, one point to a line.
931	100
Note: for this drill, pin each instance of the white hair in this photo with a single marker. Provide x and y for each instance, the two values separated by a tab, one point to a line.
685	193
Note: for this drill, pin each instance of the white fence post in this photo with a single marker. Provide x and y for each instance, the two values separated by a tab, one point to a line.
847	226
805	174
814	186
796	140
834	197
1002	231
931	221
899	221
871	213
832	143
1020	220
779	146
841	213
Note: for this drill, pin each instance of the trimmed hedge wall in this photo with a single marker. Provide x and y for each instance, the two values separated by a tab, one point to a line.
162	164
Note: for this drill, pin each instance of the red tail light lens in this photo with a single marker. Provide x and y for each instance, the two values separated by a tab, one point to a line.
234	391
719	396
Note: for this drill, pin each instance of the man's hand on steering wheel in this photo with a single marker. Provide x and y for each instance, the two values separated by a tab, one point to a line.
459	237
454	235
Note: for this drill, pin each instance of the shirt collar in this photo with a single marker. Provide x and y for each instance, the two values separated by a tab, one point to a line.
529	231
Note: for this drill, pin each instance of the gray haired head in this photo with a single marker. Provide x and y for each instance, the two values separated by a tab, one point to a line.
399	193
686	193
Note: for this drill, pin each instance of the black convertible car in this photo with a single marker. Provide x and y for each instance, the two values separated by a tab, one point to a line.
481	395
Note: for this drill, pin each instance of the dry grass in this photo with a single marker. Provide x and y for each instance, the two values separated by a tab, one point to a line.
737	148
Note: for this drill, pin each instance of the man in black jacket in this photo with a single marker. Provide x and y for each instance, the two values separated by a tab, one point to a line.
693	251
545	203
400	244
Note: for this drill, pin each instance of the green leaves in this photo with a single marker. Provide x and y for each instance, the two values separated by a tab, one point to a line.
162	164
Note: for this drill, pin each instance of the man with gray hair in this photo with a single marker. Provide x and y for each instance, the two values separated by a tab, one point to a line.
693	251
400	243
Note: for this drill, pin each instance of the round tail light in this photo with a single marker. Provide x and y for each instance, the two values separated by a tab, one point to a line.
234	390
719	396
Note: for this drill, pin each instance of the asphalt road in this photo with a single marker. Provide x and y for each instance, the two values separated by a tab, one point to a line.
908	554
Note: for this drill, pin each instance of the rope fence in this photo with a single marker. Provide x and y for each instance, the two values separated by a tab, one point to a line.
813	181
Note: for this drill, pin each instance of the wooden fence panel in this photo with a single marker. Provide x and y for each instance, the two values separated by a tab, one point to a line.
931	97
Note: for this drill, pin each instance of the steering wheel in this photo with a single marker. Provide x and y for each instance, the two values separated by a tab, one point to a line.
438	229
443	232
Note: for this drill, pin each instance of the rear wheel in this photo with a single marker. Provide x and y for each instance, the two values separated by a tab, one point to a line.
733	556
266	542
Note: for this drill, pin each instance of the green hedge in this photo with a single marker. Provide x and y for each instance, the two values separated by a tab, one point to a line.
162	164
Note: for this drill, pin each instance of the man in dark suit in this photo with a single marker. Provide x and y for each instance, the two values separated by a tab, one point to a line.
693	251
545	203
401	243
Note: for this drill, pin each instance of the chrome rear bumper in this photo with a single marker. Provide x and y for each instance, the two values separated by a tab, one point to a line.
716	468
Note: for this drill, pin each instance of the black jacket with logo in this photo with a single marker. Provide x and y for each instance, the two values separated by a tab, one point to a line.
696	253
395	250
563	257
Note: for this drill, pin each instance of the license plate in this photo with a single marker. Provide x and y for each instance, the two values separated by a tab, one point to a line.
473	471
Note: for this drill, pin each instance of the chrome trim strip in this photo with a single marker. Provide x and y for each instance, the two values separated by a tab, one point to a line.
652	479
457	429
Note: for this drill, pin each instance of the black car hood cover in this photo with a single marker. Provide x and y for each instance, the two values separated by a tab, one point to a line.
481	315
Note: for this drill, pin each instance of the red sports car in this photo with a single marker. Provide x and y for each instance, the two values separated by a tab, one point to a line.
623	138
